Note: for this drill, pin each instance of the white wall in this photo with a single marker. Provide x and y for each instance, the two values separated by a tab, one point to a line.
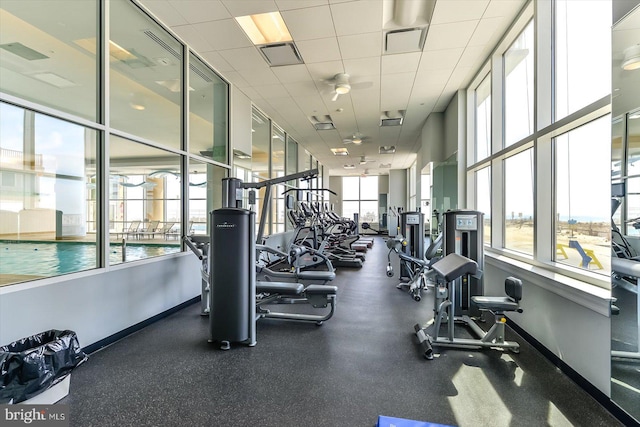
97	304
572	324
433	140
398	188
335	184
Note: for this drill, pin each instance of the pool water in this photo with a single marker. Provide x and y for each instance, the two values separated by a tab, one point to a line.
53	258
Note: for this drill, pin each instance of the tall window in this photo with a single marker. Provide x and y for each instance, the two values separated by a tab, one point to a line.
208	100
582	169
277	171
412	188
360	195
518	202
483	119
581	33
483	199
138	50
144	199
49	56
47	194
518	87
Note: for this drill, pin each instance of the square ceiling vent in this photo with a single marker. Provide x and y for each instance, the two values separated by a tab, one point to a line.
405	40
322	122
387	149
392	118
281	54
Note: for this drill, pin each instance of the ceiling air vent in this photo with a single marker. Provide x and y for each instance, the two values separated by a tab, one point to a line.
23	51
281	54
322	122
405	40
387	149
392	118
385	165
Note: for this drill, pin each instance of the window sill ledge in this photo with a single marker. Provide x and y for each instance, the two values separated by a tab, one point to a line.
597	299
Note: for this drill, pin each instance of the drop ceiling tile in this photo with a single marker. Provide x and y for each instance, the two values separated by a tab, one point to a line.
250	92
192	37
311	105
292	73
319	50
362	67
393	64
395	91
301	89
216	61
488	31
310	23
508	8
472	57
244	58
225	34
195	11
164	11
459	10
439	59
357	17
259	76
361	45
449	36
299	4
431	83
325	70
270	92
249	7
237	80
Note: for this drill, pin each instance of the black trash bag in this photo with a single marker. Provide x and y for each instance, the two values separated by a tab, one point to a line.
31	365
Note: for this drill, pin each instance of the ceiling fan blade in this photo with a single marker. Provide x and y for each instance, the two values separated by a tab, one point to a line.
335	97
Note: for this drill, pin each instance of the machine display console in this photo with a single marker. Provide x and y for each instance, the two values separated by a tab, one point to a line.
466	222
413	219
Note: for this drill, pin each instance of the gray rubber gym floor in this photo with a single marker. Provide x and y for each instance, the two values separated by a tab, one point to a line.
362	363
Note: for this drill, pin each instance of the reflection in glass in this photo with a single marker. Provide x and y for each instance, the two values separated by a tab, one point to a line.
518	87
583	228
277	171
49	57
146	84
260	146
518	202
207	112
144	198
48	193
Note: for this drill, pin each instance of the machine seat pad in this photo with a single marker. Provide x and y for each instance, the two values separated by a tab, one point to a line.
316	275
454	265
284	288
495	303
320	290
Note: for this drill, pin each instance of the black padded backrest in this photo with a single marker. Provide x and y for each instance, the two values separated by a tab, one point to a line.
513	288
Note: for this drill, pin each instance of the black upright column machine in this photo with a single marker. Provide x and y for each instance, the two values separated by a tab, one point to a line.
412	229
233	277
463	235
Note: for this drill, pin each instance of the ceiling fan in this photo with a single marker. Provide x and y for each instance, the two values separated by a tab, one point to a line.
342	85
357	139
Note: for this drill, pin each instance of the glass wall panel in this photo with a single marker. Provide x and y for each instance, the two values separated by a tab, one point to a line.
291	166
47	196
48	53
208	100
146	68
350	188
518	202
204	180
483	200
483	119
617	148
144	201
583	228
633	144
277	171
518	87
580	32
260	157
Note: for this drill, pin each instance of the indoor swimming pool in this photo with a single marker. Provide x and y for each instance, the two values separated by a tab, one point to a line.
46	259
